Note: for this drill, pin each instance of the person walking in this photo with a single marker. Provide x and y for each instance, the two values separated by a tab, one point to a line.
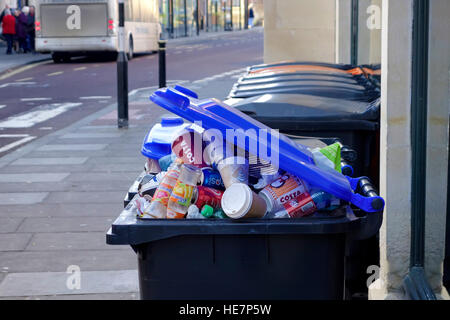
31	33
9	29
251	16
21	29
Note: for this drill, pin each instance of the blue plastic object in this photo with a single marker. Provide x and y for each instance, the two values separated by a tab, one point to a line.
158	141
293	157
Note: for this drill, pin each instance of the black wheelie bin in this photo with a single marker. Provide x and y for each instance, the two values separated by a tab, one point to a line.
297	258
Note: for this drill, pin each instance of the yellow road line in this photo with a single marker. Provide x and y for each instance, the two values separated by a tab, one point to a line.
80	68
24	79
22	69
55	73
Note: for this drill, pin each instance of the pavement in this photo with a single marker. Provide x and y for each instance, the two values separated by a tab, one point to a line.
60	193
9	63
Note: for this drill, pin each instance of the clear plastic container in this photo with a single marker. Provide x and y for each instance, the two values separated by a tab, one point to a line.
157	143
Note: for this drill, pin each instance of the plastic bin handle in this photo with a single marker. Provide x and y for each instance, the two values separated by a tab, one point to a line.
368	197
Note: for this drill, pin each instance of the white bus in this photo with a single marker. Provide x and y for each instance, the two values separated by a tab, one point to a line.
80	27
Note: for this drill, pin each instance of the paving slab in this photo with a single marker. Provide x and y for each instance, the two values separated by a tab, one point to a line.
8	225
92	135
14	241
66	224
59	261
98	296
33	177
104	176
86	197
72	147
111	210
62	283
68	186
49	161
134	159
22	198
70	241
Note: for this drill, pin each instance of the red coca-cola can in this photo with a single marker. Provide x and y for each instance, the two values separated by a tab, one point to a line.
204	195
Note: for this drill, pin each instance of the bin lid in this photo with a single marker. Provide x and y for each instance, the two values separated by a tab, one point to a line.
339	66
297	84
303	107
316	90
296	77
292	157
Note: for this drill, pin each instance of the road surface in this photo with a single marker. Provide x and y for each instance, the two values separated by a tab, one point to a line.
49	97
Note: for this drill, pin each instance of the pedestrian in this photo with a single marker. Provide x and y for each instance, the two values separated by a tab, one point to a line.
21	29
9	29
3	13
16	46
31	33
251	16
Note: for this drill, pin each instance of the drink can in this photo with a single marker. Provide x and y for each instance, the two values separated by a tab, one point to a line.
204	195
212	179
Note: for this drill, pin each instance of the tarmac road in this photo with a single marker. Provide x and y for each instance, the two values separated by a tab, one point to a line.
48	97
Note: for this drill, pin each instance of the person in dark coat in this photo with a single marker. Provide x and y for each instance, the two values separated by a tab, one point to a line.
9	29
21	29
31	34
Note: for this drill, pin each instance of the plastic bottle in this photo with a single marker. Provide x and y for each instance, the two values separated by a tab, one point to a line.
181	196
158	207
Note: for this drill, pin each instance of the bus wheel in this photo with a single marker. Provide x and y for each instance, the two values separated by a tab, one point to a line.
130	52
57	58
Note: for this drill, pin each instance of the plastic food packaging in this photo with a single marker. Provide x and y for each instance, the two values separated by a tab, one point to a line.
142	206
166	161
149	183
182	192
239	201
328	157
152	166
160	199
207	211
194	213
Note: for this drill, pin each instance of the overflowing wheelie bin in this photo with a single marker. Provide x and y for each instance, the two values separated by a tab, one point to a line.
266	229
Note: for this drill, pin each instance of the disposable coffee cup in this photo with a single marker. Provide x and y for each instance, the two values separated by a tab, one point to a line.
239	201
233	170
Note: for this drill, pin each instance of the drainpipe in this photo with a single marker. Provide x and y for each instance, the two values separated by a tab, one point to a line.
415	283
354	32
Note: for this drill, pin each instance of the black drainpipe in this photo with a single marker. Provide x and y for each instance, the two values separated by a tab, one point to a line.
354	33
415	283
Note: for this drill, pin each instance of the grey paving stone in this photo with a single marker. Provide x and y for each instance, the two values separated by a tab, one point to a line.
70	241
136	159
94	186
72	147
67	224
58	261
85	197
49	161
98	296
33	177
8	225
105	176
22	198
93	135
59	283
77	153
111	210
14	241
47	168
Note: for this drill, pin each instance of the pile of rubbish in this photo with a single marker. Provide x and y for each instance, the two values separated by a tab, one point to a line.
194	174
177	186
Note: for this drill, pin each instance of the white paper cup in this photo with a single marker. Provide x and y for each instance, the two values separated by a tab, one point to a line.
239	201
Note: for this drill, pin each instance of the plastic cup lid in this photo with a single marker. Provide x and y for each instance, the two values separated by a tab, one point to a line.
237	200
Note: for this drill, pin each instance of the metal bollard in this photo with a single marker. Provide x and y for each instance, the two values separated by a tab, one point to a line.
162	63
122	74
